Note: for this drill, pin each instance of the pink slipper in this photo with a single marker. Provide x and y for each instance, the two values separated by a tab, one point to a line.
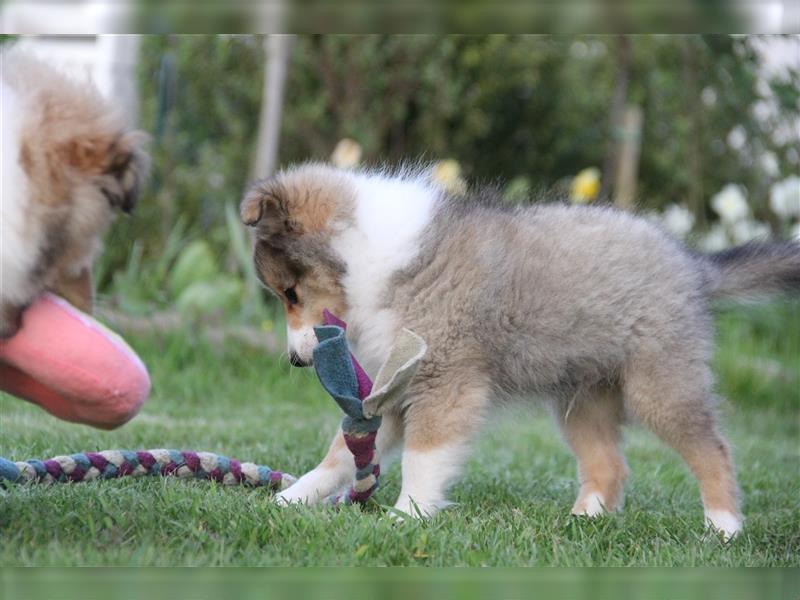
72	366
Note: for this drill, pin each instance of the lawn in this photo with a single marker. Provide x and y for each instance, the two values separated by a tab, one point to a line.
512	505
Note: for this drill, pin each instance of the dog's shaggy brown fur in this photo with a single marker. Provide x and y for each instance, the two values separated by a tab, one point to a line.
80	165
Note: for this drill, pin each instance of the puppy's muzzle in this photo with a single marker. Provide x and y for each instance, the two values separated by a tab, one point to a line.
296	361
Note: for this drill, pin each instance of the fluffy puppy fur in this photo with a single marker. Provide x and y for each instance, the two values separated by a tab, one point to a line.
69	164
596	310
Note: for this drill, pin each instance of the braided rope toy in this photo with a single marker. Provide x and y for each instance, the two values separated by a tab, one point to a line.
342	377
110	464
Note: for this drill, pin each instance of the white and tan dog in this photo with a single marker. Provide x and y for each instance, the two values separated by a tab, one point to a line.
69	164
594	309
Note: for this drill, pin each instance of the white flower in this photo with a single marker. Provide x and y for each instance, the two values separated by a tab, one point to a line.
579	49
737	138
678	220
769	162
715	240
784	198
709	96
730	203
748	230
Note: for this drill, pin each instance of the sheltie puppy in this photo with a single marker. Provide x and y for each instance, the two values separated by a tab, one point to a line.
596	310
69	164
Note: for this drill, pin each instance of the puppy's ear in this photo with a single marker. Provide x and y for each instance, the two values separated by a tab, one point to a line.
251	209
264	205
127	168
118	163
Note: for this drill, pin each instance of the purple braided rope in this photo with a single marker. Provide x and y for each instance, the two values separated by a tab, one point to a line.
111	464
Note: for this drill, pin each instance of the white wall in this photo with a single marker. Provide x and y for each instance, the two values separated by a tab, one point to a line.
107	60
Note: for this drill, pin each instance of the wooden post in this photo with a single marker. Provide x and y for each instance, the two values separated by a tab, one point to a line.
277	48
628	159
695	111
623	54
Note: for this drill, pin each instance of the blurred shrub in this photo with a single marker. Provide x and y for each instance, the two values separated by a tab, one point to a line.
529	109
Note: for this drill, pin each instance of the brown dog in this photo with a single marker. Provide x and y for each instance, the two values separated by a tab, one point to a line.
69	165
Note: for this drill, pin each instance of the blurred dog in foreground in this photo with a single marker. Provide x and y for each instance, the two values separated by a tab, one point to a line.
597	310
69	165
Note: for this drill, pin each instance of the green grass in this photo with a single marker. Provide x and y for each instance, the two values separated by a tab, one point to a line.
512	504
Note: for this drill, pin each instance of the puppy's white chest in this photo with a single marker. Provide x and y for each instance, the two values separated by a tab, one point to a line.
372	337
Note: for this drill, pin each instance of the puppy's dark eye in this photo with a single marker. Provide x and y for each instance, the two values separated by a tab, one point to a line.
291	295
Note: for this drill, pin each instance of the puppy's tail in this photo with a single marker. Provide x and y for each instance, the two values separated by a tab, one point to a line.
754	271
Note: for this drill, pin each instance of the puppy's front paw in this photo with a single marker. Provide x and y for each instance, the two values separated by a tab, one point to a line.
294	496
313	487
409	507
591	504
723	522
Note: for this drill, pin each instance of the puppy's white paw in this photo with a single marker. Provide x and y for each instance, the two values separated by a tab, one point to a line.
313	487
724	522
299	493
589	505
287	497
407	507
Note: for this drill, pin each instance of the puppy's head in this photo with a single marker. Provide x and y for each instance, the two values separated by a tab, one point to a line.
295	215
109	170
104	177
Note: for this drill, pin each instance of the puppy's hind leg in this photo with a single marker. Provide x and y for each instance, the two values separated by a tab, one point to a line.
672	396
440	422
591	426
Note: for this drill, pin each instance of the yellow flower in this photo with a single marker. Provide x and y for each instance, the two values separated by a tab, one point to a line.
447	173
585	186
347	154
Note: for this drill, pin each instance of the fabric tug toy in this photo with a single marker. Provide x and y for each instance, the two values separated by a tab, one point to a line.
73	367
342	377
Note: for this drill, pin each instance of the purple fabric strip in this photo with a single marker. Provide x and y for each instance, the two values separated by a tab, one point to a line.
192	460
53	468
98	462
146	459
364	382
236	469
328	318
361	497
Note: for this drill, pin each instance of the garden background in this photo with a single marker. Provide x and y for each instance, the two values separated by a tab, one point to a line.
699	133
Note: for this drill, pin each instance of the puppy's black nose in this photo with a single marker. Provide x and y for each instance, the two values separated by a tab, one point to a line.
296	361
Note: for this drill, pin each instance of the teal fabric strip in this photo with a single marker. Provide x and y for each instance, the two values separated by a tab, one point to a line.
335	370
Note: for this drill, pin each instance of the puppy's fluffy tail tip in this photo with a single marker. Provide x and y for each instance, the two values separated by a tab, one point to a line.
755	271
